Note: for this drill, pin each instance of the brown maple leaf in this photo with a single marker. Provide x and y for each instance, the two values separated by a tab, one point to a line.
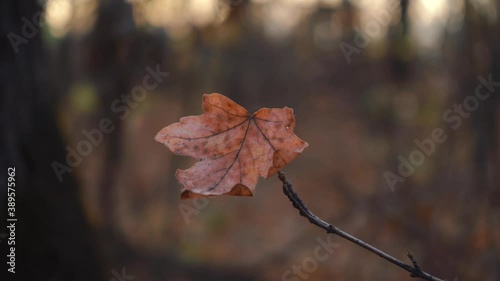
234	147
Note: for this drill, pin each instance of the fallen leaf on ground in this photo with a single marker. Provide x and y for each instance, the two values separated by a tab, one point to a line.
234	147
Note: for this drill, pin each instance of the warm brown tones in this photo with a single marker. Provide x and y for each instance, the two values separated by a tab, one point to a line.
234	147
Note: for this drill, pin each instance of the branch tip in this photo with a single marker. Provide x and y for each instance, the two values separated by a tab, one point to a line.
297	203
413	261
282	177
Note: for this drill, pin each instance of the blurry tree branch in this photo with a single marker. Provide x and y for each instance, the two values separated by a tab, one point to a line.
415	271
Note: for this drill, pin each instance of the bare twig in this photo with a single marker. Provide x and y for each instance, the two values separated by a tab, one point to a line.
415	264
414	271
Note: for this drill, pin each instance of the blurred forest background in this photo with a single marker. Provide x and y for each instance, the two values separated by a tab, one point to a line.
118	210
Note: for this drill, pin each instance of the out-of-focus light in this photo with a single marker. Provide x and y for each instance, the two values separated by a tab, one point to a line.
432	10
58	15
75	16
169	14
429	19
280	19
202	12
163	12
179	16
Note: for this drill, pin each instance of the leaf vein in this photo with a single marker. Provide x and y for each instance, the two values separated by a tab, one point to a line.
234	161
215	134
264	135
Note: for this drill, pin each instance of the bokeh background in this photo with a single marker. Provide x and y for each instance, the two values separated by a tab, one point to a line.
118	210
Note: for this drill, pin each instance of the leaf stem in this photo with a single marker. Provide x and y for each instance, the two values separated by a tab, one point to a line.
414	270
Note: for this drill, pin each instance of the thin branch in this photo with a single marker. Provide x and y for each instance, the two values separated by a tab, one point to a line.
414	271
415	264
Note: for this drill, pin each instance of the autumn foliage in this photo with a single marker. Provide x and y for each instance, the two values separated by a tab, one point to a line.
233	146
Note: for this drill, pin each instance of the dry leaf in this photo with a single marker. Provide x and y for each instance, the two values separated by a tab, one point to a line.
234	147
